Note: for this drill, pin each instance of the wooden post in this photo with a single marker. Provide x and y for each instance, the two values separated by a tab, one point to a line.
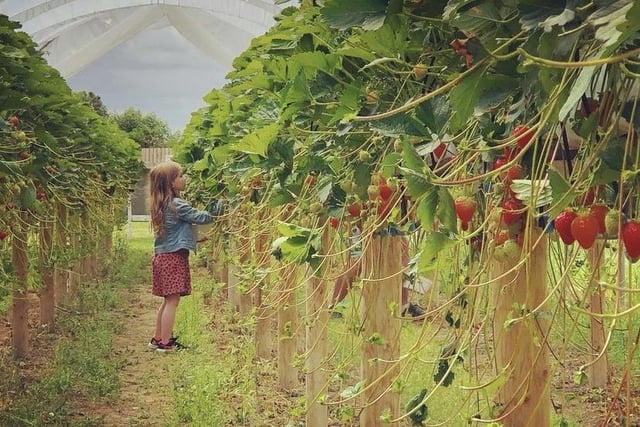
245	300
381	290
287	329
20	303
598	371
85	243
262	335
521	349
232	286
239	298
61	275
75	274
316	339
47	292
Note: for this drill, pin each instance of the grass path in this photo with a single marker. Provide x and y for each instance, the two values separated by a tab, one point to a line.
145	393
144	397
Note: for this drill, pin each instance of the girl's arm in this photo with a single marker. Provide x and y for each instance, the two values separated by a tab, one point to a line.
189	214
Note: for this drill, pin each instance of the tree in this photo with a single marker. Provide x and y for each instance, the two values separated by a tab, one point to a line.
146	129
94	101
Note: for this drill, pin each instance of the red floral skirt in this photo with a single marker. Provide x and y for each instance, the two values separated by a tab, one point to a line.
171	274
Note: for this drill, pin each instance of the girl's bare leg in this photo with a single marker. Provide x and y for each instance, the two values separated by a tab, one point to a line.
168	317
158	331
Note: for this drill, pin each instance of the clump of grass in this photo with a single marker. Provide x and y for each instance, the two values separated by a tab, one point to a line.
214	383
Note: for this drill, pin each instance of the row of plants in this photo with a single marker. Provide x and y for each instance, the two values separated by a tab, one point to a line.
494	126
64	169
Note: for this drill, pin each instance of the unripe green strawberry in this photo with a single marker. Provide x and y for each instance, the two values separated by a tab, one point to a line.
364	156
315	207
612	222
499	254
373	192
511	250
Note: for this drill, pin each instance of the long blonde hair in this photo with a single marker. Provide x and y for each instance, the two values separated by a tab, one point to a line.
161	192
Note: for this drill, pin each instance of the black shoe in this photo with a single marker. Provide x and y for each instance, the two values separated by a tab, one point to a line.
176	344
414	310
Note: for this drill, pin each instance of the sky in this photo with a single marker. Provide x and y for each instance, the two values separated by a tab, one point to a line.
157	71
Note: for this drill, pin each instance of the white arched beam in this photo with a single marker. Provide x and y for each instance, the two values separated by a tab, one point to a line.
41	16
210	42
96	48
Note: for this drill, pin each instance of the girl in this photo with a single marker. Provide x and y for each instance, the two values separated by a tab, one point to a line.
171	221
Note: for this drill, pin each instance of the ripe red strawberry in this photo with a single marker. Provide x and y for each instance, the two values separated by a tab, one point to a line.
631	240
439	151
514	172
354	210
562	225
500	162
584	228
385	191
334	222
587	199
600	213
384	208
14	121
3	234
523	136
502	237
465	209
511	211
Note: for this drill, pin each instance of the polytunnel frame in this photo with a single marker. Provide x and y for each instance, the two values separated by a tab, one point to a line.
221	33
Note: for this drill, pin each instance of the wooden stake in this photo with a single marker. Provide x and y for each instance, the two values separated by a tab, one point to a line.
75	275
233	280
287	329
245	301
381	290
598	371
521	346
47	292
61	275
316	345
263	314
20	303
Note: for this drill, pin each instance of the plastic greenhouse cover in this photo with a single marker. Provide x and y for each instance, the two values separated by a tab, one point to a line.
74	33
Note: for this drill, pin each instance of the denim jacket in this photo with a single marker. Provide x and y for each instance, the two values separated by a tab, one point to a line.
178	231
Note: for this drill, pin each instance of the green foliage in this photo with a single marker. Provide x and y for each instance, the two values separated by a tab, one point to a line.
94	101
145	129
57	146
